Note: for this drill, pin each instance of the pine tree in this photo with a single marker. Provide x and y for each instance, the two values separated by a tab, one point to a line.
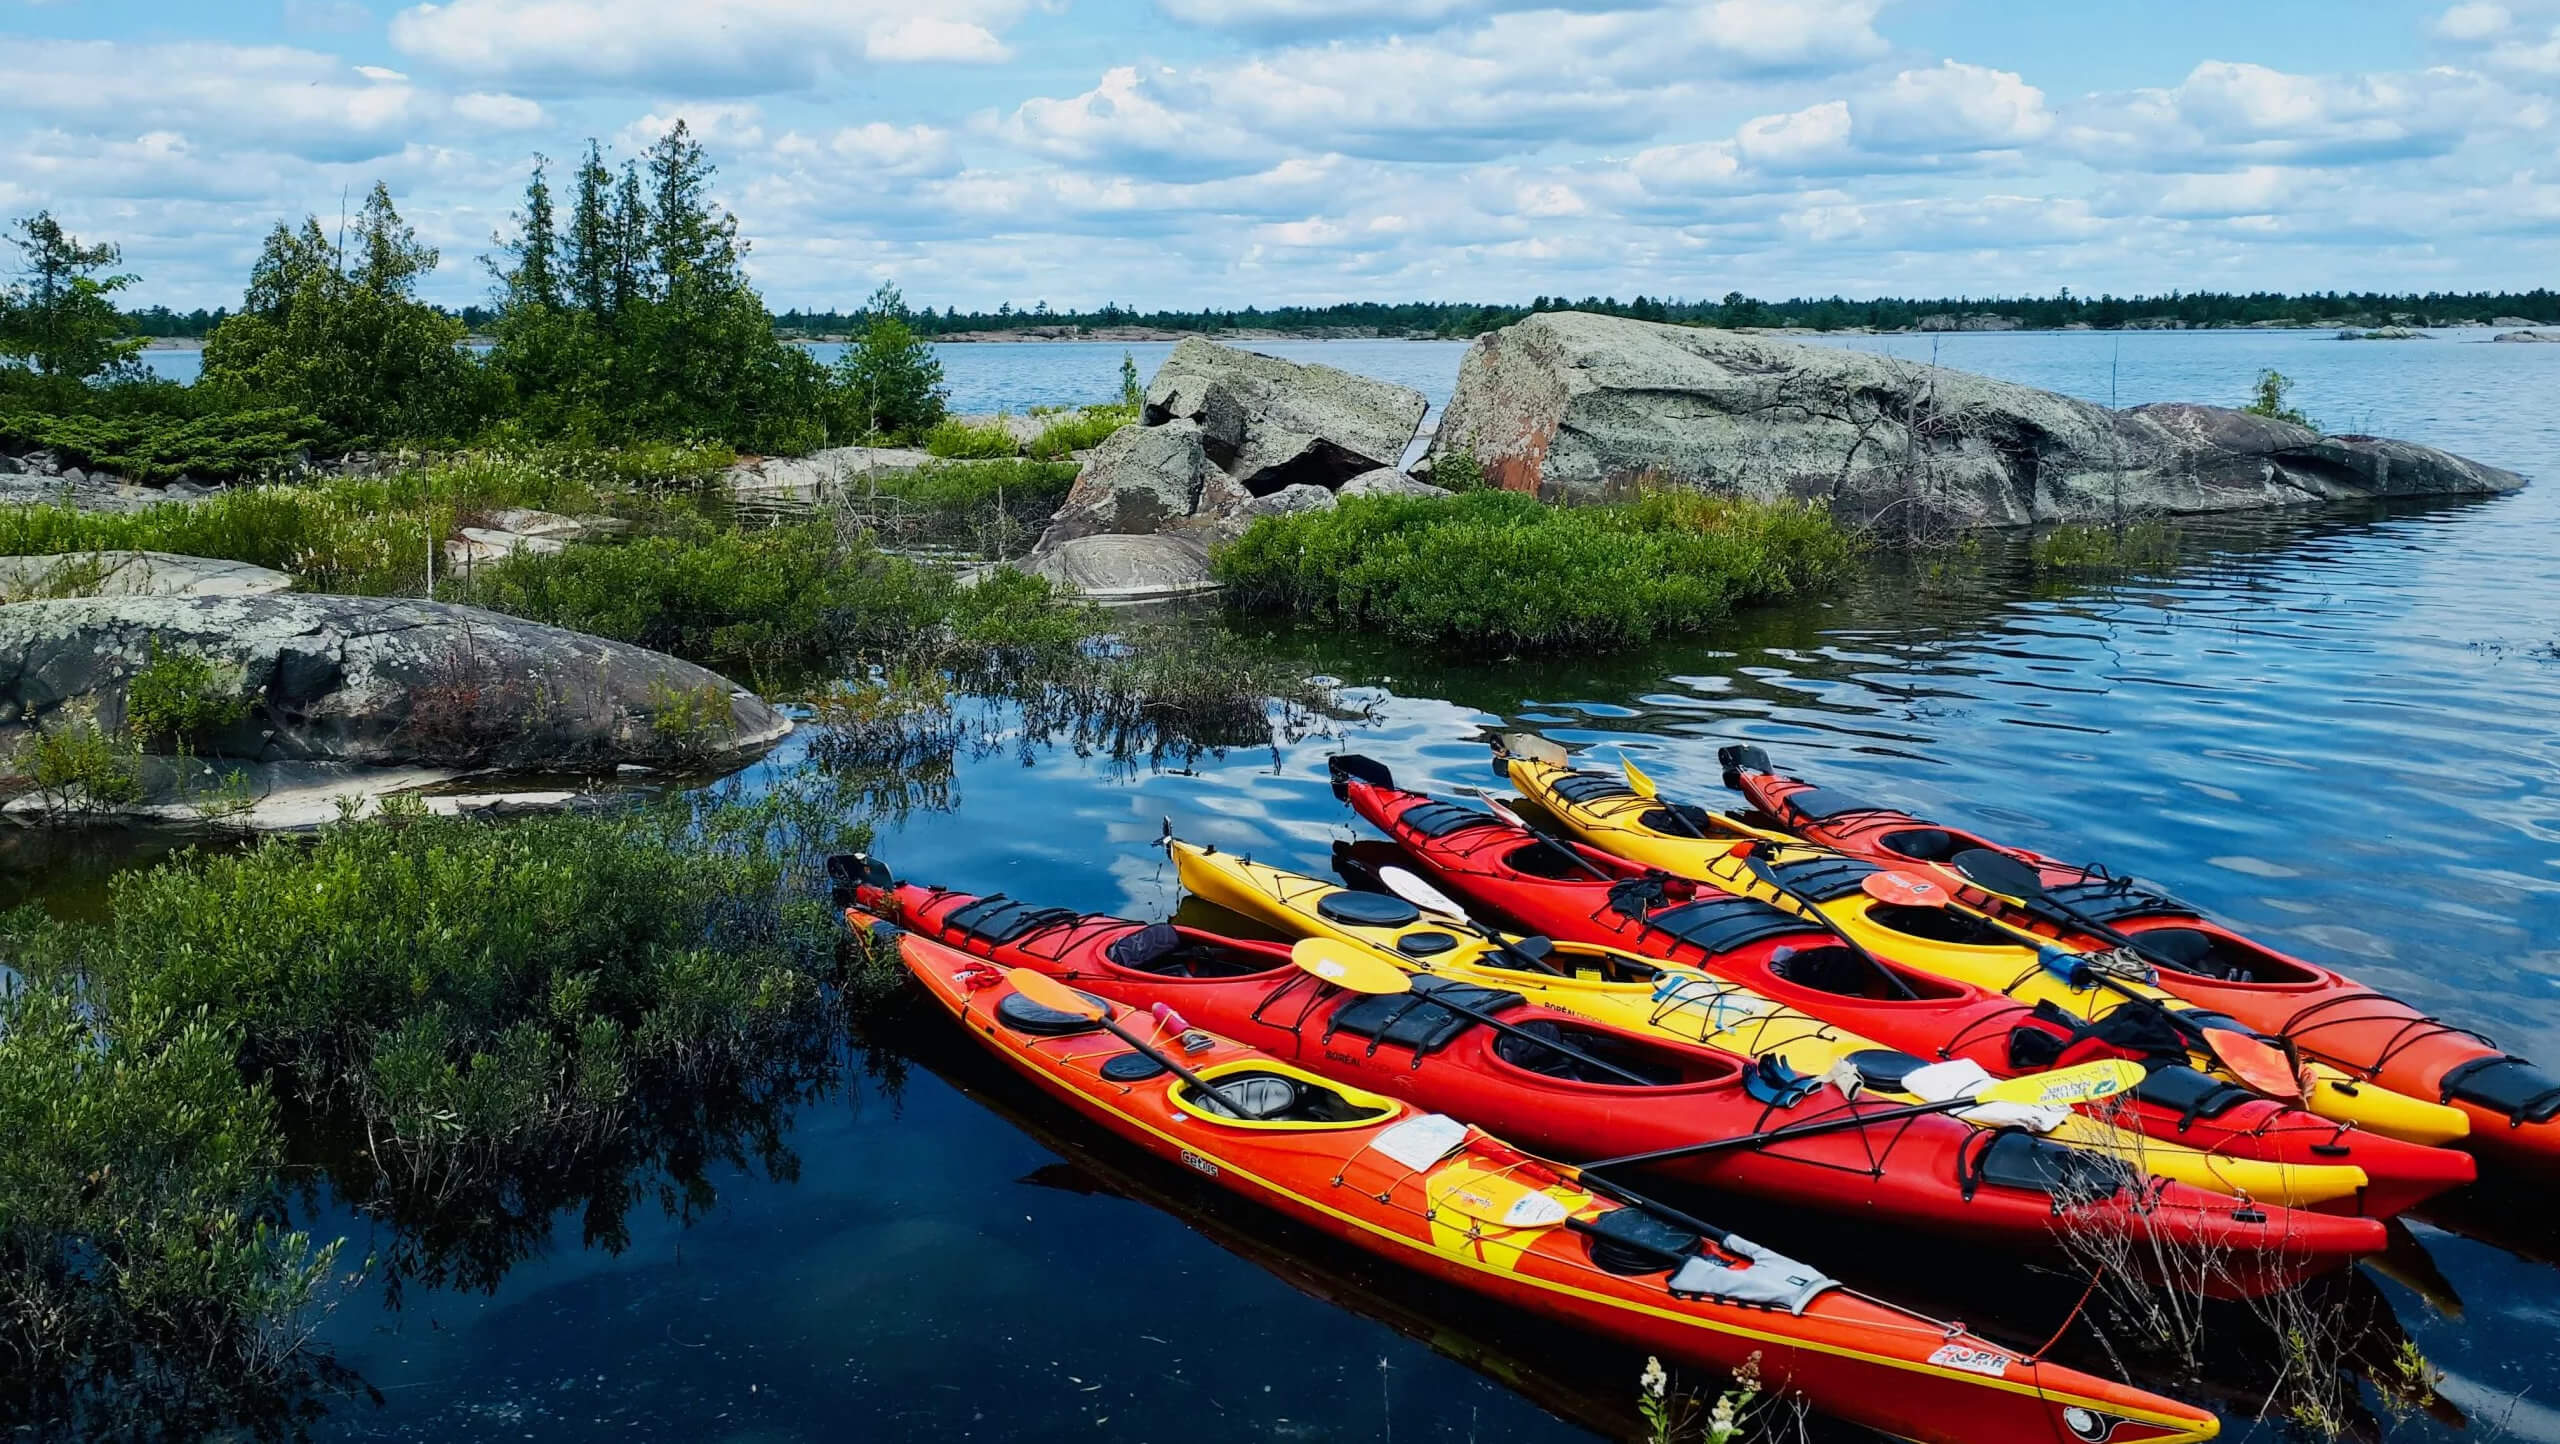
590	247
533	281
630	279
391	258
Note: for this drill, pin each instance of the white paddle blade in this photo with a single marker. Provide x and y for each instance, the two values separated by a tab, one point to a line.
2067	1087
1530	747
1421	894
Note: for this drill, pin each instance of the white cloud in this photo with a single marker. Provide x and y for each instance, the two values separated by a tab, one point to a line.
689	47
1310	14
875	149
1161	121
1954	108
924	37
2242	114
2473	21
272	97
498	112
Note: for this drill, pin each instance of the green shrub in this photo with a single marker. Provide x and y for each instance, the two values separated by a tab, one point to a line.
2138	547
1458	471
178	697
2270	400
1498	571
138	1248
147	447
1080	431
954	438
961	487
75	766
468	989
785	597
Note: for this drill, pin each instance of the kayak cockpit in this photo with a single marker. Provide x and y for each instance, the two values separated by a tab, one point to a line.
1167	951
1525	1048
1274	1095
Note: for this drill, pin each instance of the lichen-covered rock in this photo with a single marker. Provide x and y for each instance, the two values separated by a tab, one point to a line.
1140	480
1271	423
133	574
1387	481
1575	407
380	681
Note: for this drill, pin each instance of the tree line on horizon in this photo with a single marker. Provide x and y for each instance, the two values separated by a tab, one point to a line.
1463	319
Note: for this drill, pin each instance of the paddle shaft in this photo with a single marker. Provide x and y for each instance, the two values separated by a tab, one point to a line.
1768	877
1572	852
1185	1074
1553	1044
2189	1031
1782	1135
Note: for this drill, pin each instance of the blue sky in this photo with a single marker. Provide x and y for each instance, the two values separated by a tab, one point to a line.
1227	152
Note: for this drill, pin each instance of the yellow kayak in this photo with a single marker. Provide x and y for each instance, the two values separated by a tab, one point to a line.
1947	942
1644	995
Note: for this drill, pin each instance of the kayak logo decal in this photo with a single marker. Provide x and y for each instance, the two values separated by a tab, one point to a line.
1988	1362
1197	1164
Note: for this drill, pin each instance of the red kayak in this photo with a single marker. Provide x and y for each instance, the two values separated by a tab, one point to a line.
1430	1193
2514	1107
1934	1172
1517	875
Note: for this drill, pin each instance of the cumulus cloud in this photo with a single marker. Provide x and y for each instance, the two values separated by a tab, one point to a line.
1954	108
686	47
1160	121
2242	114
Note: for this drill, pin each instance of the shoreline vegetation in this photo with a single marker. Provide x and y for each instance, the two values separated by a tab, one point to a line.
164	328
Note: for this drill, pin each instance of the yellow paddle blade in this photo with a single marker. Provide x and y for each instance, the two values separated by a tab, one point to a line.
2262	1067
2083	1083
1345	966
1055	996
1636	779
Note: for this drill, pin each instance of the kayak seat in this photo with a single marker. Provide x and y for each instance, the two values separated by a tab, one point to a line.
1885	1068
1937	925
1544	860
1926	844
1164	950
2023	1161
1439	819
2194	1094
2506	1085
1632	1241
1523	1049
1025	1016
998	919
1367	909
1836	970
1585	788
1271	1098
1825	878
1412	1020
1682	818
1716	924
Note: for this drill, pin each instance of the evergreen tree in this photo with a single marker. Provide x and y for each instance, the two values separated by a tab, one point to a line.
890	380
533	277
630	268
60	318
590	247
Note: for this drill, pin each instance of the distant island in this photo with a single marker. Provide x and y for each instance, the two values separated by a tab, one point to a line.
1461	320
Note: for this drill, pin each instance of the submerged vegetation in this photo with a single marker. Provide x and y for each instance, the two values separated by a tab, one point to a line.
2140	546
1498	571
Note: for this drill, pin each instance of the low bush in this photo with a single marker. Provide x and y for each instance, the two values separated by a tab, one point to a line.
959	489
1497	571
470	990
2135	547
149	447
177	697
74	766
1080	430
140	1252
1458	471
955	438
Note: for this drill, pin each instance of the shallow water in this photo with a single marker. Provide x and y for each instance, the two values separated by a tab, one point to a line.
2335	729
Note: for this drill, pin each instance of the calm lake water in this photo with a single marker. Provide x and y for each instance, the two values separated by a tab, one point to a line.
2341	730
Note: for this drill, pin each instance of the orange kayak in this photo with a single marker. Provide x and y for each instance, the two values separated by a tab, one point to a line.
1433	1194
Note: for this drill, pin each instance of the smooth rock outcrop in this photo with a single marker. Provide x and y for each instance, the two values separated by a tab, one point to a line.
133	574
1575	407
1271	423
1118	570
380	682
837	465
2527	336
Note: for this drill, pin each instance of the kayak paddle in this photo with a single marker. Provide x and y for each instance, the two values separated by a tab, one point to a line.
1768	876
1057	997
2060	1088
1503	810
2264	1068
1423	895
1645	789
1351	968
2004	876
